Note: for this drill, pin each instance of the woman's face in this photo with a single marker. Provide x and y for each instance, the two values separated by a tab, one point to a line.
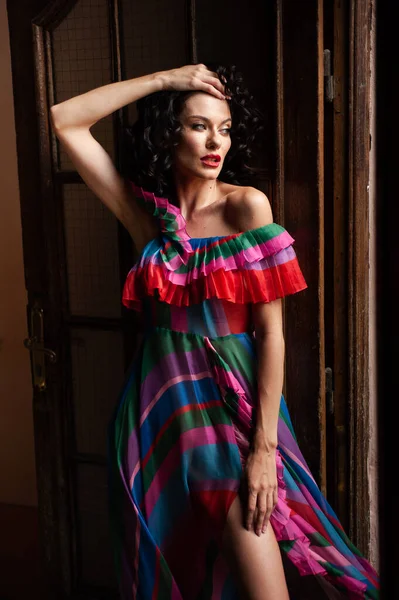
206	123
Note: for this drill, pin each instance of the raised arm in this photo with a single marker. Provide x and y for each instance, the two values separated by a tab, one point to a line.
72	120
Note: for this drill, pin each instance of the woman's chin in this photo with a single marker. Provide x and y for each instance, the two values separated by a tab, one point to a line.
211	175
201	173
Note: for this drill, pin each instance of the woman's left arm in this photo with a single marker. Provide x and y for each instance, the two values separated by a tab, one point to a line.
261	468
251	209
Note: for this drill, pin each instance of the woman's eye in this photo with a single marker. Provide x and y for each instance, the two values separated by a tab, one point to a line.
196	125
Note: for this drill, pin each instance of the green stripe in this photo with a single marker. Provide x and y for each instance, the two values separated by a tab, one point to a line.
286	545
225	248
316	539
173	342
237	356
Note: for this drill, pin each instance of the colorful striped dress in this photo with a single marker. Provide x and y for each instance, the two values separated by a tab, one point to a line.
181	430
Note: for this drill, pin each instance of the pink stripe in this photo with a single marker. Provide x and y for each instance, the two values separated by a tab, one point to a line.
304	559
314	555
305	527
193	438
308	496
164	203
297	461
133	475
244	412
331	554
261	253
353	585
226	377
170	383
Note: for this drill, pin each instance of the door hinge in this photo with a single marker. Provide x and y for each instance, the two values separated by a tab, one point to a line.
329	391
329	87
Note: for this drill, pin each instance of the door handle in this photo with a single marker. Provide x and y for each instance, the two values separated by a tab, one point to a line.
32	343
35	344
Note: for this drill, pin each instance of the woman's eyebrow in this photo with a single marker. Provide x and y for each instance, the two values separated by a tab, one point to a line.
206	118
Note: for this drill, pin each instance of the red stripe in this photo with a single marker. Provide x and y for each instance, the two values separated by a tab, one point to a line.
239	286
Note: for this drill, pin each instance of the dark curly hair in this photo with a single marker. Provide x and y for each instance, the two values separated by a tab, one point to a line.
149	141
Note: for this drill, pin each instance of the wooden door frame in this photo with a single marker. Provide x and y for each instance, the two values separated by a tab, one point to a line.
348	36
360	12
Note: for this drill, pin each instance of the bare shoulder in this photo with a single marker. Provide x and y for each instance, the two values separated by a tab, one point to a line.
248	208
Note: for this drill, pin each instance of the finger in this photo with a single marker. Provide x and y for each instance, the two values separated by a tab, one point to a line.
275	498
210	89
212	77
264	524
212	74
215	81
215	87
270	505
262	505
216	77
223	81
266	515
251	509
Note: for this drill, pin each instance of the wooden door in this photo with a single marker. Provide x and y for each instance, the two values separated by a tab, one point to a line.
77	255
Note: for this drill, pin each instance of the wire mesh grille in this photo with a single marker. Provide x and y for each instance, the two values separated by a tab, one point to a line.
91	254
82	62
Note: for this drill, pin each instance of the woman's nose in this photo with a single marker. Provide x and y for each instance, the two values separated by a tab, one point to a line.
214	141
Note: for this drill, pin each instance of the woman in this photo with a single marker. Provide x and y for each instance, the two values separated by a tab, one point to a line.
208	488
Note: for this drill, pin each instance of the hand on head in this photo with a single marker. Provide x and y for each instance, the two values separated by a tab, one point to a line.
194	78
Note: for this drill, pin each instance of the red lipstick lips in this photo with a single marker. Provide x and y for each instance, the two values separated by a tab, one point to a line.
211	160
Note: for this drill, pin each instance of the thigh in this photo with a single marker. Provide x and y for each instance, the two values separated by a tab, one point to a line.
255	561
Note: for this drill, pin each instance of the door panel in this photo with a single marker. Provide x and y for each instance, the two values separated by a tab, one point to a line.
302	210
91	254
97	370
77	255
93	552
154	38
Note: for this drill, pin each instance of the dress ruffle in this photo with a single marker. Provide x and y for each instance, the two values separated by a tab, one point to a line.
300	533
257	265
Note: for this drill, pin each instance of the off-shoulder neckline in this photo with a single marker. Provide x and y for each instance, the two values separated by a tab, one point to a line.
176	210
215	237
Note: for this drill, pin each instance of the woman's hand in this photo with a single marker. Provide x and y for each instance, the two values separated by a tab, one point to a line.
261	474
191	78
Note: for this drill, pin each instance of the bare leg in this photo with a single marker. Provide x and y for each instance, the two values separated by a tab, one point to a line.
256	561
